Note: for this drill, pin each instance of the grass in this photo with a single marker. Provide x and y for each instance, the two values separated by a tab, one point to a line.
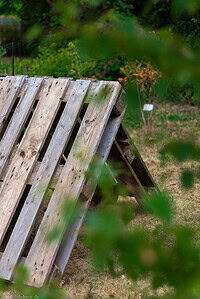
80	279
164	114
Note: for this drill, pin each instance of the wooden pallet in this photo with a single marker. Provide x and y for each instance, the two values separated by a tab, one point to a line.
43	120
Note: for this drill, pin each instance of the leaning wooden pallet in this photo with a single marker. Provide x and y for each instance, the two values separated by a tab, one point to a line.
41	121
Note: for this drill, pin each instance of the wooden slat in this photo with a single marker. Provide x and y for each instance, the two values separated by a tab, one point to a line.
9	91
27	154
21	261
18	120
41	255
71	236
127	175
120	104
42	179
137	162
54	179
34	172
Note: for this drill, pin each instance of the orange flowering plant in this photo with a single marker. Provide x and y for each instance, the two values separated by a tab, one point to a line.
145	76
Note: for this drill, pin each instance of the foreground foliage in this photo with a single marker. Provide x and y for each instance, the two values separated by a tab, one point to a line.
168	255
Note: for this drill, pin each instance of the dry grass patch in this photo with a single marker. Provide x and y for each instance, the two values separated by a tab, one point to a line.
80	279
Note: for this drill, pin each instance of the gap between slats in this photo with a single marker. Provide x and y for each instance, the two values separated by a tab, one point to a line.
28	151
19	118
42	179
9	91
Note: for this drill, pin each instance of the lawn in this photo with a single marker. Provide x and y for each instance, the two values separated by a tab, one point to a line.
170	121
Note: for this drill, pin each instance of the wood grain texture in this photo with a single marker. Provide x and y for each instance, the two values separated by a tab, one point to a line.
69	240
41	255
42	179
120	105
30	180
138	163
9	91
28	151
21	261
126	175
18	120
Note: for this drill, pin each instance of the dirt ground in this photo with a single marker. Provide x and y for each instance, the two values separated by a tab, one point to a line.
169	121
181	121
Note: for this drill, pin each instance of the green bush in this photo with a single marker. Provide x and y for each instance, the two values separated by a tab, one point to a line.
108	69
171	91
52	62
60	63
65	62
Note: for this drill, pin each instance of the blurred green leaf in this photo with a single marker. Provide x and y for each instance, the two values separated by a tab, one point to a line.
69	213
55	234
34	32
125	212
159	205
3	285
182	150
132	97
102	231
21	276
183	6
187	179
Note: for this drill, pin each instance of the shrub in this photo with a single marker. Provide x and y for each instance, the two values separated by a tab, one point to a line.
171	91
65	62
144	75
60	63
151	85
108	69
52	62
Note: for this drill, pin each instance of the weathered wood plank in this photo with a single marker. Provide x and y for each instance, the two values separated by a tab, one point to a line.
41	255
54	179
142	174
120	104
137	162
28	151
103	151
9	91
34	172
21	261
126	175
18	120
42	179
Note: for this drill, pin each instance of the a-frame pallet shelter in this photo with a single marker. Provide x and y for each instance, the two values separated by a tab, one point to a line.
50	131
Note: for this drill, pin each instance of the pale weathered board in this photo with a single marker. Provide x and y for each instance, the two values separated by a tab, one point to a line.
42	179
41	255
28	151
18	120
9	91
72	233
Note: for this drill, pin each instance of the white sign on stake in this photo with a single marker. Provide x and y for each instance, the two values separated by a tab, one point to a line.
148	107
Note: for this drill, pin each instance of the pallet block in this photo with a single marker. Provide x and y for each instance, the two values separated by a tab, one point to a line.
50	132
